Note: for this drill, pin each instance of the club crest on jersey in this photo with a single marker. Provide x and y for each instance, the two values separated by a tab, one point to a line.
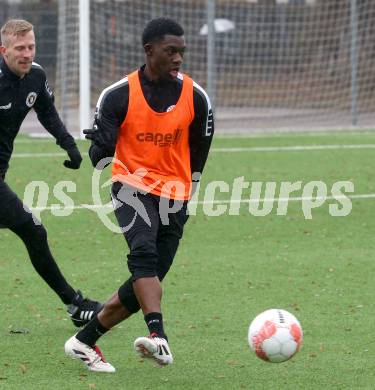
160	139
30	100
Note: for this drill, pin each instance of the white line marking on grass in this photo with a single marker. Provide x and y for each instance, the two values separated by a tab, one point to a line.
297	148
37	155
47	138
33	141
41	155
223	201
281	134
219	136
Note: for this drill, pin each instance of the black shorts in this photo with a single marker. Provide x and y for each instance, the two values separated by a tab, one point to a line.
152	235
12	210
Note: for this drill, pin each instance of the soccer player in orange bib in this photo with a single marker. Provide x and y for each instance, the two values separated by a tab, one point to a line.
158	124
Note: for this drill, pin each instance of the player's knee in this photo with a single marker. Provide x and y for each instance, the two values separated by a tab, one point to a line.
40	233
143	266
127	297
29	231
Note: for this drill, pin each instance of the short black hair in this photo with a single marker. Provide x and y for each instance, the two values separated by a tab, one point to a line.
157	28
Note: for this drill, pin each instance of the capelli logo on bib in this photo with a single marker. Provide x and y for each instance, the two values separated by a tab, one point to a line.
30	100
160	139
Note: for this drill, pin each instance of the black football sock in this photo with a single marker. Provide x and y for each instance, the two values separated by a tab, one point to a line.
154	322
91	332
35	240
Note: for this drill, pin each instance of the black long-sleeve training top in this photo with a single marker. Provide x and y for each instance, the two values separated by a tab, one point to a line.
17	97
112	108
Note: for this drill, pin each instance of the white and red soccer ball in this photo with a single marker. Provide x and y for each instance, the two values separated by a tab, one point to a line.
275	335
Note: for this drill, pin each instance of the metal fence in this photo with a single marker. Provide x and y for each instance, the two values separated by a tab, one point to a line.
287	64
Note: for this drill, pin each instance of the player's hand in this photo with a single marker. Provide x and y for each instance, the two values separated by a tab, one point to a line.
89	134
75	158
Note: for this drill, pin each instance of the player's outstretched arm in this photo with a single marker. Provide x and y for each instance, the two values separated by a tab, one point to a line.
48	116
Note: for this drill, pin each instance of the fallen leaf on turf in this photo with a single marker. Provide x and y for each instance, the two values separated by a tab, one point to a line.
19	331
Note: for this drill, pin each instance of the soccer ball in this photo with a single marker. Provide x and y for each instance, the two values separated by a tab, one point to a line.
275	335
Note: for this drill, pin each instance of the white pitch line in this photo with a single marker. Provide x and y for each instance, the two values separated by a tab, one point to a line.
47	138
35	140
223	201
35	155
294	134
297	148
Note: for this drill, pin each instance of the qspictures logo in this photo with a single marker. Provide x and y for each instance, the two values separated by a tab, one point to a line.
216	198
160	139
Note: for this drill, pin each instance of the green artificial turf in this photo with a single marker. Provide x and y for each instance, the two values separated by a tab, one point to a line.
229	268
